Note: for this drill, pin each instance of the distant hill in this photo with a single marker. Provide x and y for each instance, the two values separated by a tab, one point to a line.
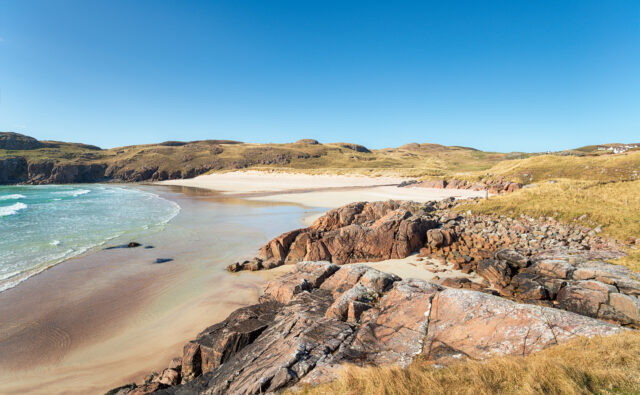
24	159
15	141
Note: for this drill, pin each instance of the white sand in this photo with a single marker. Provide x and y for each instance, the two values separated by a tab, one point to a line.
426	269
326	191
253	181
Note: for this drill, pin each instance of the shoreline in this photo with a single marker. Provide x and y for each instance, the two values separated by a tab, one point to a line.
85	324
109	317
116	239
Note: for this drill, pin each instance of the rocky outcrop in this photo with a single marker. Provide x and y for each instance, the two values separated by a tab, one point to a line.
578	281
354	147
357	232
46	172
321	317
541	261
13	170
17	141
367	232
494	186
474	325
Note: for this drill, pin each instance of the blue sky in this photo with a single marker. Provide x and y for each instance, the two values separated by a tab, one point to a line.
495	75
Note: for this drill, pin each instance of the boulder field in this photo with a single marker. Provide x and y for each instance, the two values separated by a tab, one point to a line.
540	283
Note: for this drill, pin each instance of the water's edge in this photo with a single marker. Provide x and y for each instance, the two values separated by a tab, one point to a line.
60	252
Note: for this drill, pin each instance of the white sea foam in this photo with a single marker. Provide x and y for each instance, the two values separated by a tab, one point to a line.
11	210
15	196
74	193
141	213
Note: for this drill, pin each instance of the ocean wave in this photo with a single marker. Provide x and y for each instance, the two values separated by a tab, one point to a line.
11	210
14	196
74	193
51	250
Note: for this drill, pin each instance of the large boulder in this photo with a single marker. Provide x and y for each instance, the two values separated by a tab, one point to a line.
357	232
469	324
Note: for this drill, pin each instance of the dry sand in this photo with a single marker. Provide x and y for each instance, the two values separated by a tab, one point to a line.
426	269
326	191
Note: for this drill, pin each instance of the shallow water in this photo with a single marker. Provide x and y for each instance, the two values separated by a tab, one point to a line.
109	317
44	225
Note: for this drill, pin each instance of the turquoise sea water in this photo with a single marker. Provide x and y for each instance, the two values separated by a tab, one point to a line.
44	225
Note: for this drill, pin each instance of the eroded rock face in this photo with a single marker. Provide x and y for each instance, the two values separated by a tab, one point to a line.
354	314
366	232
13	170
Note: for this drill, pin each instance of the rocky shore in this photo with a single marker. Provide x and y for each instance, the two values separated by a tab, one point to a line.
492	185
541	283
370	232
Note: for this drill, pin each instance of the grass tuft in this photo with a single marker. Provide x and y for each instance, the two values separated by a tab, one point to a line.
596	365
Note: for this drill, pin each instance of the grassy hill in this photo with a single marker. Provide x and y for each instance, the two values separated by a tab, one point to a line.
174	159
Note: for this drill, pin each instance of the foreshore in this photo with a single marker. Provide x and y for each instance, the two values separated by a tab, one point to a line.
86	324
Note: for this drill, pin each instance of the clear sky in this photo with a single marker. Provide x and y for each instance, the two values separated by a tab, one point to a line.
496	75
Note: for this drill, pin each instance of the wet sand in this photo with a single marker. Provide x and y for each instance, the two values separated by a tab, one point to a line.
112	316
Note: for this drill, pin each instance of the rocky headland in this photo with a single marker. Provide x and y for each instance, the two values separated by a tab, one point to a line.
540	283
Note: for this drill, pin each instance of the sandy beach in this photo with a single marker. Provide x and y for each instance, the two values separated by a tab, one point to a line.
326	191
86	324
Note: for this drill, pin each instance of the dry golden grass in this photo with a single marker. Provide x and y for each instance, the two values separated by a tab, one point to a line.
614	206
583	366
588	168
413	160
